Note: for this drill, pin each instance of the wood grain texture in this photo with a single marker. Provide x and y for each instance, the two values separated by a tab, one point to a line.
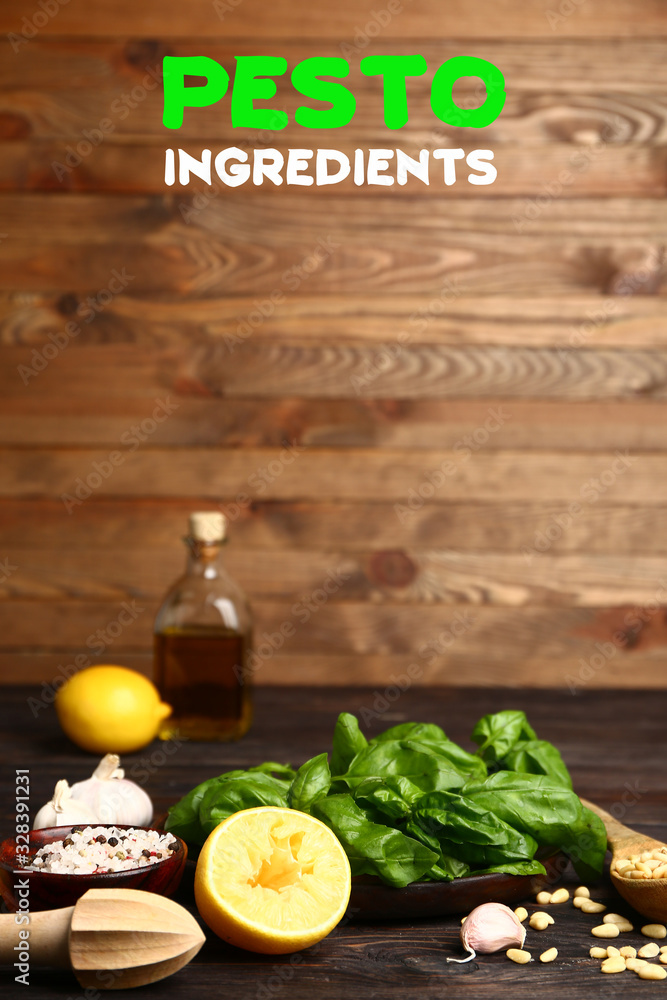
264	244
281	20
400	576
314	473
44	420
496	526
259	366
631	316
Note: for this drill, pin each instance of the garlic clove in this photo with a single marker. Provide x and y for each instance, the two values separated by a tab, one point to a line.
113	797
62	810
488	928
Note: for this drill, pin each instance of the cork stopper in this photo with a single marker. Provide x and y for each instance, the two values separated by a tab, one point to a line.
208	526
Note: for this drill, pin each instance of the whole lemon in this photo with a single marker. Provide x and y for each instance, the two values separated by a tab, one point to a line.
109	709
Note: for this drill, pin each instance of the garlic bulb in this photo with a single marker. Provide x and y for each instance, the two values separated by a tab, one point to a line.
112	797
63	810
490	927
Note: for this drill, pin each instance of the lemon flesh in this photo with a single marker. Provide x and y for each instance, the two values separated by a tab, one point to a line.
272	880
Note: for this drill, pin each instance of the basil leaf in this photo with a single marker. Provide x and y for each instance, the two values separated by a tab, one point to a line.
552	814
471	832
312	781
537	757
496	734
514	868
374	849
348	740
183	817
242	791
428	771
423	731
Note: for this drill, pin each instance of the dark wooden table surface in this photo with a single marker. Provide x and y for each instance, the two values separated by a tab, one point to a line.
613	742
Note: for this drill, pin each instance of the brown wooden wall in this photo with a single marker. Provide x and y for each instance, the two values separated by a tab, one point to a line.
502	349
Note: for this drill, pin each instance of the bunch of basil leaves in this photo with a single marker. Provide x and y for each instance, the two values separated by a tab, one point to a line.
410	805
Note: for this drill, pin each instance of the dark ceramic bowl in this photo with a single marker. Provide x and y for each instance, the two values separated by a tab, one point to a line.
372	899
50	890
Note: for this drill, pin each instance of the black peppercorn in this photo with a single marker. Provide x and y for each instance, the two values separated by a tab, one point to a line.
68	842
112	842
101	839
145	854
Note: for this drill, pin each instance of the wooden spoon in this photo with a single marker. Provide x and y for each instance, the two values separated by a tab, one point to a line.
112	938
647	896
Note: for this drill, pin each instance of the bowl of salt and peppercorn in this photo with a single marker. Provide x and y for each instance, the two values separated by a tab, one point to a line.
63	862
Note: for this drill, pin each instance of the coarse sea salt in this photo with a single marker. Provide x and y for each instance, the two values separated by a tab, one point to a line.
94	850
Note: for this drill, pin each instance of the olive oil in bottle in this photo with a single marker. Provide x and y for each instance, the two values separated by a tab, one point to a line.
203	637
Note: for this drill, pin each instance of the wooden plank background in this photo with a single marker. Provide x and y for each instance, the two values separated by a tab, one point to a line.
450	400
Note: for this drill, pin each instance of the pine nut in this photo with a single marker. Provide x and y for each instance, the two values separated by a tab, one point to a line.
663	957
648	864
628	951
578	901
641	866
560	896
652	972
519	956
521	913
649	950
596	952
654	930
635	873
621	863
543	897
635	964
539	922
605	931
590	906
660	872
582	890
622	923
613	965
612	952
549	955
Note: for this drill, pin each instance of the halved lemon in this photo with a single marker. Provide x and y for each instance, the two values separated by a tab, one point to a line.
272	880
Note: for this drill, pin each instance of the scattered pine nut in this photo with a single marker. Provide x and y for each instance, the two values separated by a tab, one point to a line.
549	955
622	923
543	897
652	972
649	950
519	956
628	951
663	948
663	957
521	913
578	901
582	890
605	931
590	906
596	952
560	896
654	930
635	964
614	964
539	921
612	952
